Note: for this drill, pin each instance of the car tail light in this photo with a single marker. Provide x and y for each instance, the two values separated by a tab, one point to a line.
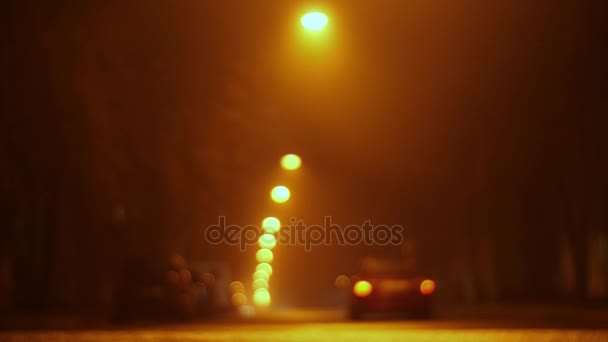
427	287
362	288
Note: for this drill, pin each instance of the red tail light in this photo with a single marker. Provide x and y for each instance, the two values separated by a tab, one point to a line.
427	287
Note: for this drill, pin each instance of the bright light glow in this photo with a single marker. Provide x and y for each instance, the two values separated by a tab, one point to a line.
362	288
280	194
238	299
264	255
261	297
291	162
267	241
314	21
264	267
271	225
259	284
427	287
342	282
261	275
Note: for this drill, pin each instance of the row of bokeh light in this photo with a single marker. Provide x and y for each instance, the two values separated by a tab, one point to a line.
264	256
267	240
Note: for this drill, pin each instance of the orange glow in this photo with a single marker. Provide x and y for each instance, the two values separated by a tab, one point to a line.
185	276
280	194
261	275
261	297
264	255
314	21
362	288
208	279
427	287
246	311
238	299
264	267
291	162
271	225
259	284
237	287
267	241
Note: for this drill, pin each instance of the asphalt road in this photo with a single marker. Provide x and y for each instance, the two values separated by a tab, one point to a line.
318	325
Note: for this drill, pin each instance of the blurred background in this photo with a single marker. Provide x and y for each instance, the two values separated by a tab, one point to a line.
128	127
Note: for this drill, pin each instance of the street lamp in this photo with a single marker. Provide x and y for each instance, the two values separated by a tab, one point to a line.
314	21
280	194
291	162
271	225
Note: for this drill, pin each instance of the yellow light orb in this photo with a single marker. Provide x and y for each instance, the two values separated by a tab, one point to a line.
264	267
259	284
271	225
280	194
362	288
238	299
261	297
264	255
261	275
267	241
314	21
291	162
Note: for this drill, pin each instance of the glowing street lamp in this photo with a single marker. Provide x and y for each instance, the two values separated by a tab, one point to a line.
259	284
264	255
261	275
280	194
261	297
314	21
291	162
264	267
271	225
267	241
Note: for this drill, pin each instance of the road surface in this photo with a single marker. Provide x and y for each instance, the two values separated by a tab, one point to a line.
317	325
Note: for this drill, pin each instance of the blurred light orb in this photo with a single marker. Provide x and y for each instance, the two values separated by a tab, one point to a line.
267	241
291	162
362	288
314	21
261	297
261	275
271	225
264	255
342	282
208	279
259	284
246	311
280	194
238	299
427	287
178	262
264	267
237	287
185	276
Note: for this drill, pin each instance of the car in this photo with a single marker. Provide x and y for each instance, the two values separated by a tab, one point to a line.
393	291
